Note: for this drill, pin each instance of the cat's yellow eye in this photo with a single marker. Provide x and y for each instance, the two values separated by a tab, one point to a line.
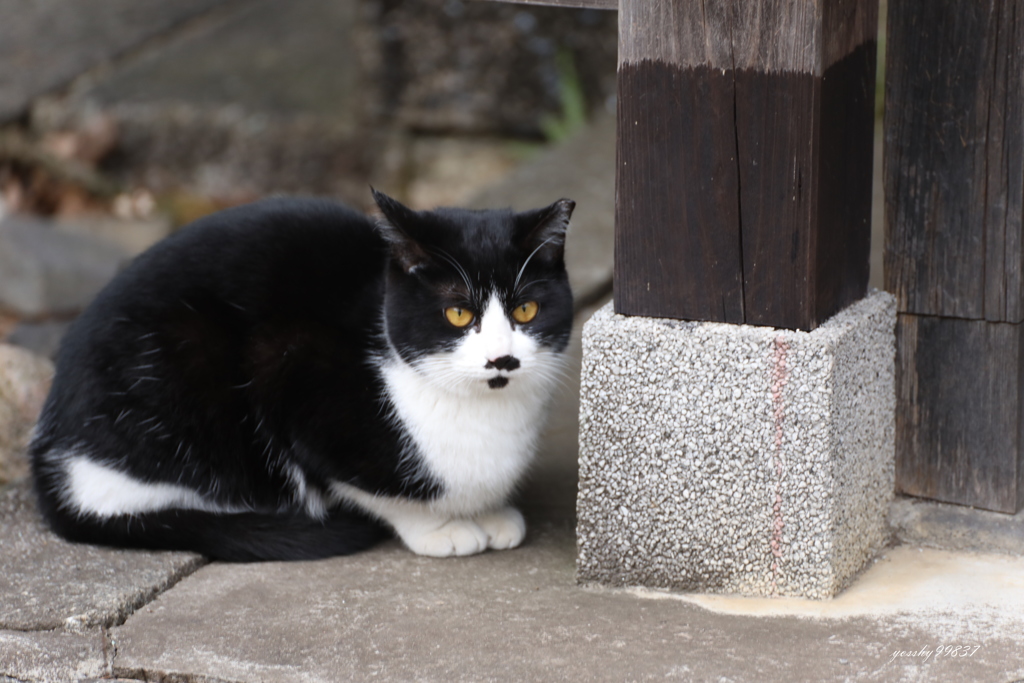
459	317
524	313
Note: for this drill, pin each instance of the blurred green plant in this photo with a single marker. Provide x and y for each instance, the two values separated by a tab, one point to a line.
573	114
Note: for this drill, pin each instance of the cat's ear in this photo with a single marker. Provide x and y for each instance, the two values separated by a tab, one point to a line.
542	231
395	228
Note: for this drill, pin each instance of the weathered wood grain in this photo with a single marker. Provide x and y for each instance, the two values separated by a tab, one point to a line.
778	145
677	246
764	35
958	411
954	167
805	154
846	132
744	159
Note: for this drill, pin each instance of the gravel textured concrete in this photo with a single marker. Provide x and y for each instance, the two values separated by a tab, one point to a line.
732	458
47	583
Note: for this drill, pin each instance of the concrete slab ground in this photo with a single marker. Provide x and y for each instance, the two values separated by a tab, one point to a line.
53	656
49	584
518	616
920	522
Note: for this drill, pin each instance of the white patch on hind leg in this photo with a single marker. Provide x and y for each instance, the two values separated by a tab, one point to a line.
103	491
305	495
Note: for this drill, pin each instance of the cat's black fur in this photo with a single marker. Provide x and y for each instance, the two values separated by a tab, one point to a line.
246	343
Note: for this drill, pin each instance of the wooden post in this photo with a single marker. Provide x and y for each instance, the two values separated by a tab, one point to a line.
954	255
744	159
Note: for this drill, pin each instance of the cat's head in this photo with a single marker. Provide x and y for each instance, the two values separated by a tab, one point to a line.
478	300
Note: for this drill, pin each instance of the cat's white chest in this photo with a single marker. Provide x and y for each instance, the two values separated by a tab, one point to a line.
476	444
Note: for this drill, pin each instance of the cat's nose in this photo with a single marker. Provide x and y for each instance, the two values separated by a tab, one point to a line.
503	363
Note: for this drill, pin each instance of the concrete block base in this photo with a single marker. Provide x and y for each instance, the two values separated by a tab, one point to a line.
735	459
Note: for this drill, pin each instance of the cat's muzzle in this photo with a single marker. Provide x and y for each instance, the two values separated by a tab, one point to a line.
506	363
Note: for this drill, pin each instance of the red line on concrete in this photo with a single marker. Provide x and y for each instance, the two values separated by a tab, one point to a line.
780	375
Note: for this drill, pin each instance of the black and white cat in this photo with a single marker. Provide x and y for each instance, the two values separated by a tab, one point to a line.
288	379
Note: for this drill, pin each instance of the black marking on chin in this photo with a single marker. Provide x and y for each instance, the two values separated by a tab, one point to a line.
497	382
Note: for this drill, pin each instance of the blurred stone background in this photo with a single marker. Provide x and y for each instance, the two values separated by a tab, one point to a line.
121	120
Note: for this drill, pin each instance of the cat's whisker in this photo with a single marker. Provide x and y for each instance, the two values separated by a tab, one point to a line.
531	283
515	285
455	264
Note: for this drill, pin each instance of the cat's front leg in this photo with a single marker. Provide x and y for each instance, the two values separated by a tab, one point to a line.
428	535
505	528
425	531
437	537
422	529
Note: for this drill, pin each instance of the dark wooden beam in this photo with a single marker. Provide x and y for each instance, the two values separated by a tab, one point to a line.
954	136
954	188
744	159
958	398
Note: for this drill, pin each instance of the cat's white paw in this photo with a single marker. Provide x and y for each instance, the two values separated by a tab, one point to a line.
505	528
457	537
